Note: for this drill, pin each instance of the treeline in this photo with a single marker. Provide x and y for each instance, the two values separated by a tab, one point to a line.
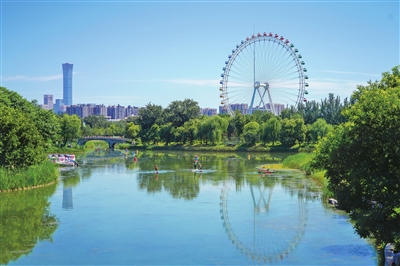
361	160
25	132
181	123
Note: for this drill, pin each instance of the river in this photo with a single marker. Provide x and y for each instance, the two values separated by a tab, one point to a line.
112	210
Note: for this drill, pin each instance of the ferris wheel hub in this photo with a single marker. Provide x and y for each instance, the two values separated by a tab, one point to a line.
258	85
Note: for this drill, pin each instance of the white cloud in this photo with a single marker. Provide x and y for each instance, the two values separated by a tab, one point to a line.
348	73
320	88
35	79
195	82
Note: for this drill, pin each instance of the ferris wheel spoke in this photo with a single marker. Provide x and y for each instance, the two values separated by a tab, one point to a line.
270	62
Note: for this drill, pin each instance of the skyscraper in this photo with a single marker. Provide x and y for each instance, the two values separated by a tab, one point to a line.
48	101
67	83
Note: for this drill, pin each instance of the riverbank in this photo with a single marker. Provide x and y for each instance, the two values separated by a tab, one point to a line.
223	148
31	177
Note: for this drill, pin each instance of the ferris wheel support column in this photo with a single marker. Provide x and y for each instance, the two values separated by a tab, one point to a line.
266	86
252	101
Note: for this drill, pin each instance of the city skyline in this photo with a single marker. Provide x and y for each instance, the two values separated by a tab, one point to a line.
156	52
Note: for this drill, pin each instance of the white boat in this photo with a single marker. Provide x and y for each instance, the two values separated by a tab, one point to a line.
63	159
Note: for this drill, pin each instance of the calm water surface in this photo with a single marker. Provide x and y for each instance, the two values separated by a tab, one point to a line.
114	211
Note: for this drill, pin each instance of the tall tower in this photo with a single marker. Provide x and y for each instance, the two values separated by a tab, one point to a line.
67	83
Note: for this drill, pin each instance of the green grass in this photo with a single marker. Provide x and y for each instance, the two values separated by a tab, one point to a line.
42	174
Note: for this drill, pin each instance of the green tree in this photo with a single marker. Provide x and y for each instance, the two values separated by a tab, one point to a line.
45	121
148	116
251	133
331	110
191	128
239	121
167	133
212	128
287	134
179	112
270	130
361	159
180	135
70	128
300	130
132	131
153	134
96	121
21	144
319	129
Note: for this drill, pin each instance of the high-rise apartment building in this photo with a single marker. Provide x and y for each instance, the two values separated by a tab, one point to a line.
48	102
67	84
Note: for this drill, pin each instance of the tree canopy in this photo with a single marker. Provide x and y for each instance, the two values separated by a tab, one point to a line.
361	159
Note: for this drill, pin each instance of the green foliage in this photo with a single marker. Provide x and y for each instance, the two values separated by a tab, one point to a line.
319	129
191	129
150	115
299	130
270	131
180	112
25	129
329	109
96	121
25	220
21	144
132	131
251	133
287	133
43	173
70	128
361	159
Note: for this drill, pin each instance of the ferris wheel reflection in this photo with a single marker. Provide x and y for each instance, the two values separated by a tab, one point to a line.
278	218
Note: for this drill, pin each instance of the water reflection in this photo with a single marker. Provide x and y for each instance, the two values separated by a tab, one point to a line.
67	198
277	222
25	220
175	215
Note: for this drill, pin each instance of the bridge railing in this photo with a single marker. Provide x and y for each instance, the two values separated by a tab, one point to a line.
105	138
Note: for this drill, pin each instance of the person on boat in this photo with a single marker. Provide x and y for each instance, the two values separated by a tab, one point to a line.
156	168
200	167
194	165
396	258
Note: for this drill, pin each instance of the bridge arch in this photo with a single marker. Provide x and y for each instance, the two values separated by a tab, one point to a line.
111	140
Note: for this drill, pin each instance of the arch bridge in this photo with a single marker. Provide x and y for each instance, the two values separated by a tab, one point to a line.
111	140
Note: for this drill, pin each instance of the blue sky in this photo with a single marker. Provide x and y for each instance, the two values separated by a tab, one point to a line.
136	52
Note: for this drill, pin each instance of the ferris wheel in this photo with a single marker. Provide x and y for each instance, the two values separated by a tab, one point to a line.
265	72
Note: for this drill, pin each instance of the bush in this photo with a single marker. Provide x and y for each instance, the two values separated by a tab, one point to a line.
41	174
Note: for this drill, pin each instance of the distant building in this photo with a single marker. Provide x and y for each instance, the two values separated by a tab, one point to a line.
100	109
59	107
67	83
208	111
48	102
244	108
116	111
132	111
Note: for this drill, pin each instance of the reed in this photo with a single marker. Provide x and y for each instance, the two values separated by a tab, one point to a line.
36	175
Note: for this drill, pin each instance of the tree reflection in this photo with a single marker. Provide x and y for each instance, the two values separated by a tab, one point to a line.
24	220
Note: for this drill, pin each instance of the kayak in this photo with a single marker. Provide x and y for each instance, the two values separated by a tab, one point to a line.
266	171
